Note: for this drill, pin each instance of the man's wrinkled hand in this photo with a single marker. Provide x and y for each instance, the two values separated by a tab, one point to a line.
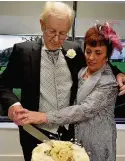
15	111
121	83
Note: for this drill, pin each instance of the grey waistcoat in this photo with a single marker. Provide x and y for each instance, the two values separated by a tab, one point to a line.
55	85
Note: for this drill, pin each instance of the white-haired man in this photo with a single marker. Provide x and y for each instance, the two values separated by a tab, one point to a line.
46	71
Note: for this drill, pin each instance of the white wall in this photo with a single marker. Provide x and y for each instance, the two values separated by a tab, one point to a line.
88	12
10	149
22	17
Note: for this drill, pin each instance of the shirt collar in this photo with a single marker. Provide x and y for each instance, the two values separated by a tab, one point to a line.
45	48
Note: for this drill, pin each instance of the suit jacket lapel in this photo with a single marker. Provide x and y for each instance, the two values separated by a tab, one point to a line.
35	71
35	59
68	60
74	73
89	85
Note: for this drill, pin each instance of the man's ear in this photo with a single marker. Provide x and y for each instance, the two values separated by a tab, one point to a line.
42	25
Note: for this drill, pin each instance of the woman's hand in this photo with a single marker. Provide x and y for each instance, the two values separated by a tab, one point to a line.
121	82
31	117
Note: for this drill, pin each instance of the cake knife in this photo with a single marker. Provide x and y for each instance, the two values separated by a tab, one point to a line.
36	133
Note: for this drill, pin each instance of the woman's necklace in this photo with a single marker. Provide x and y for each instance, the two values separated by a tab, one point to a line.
86	75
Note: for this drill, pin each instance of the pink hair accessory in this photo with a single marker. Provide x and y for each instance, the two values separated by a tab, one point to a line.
110	34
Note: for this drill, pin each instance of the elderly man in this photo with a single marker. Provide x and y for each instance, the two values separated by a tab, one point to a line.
46	71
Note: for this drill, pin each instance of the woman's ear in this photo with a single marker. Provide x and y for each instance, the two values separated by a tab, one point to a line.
42	25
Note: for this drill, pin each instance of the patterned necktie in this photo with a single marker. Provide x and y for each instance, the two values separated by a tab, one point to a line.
53	55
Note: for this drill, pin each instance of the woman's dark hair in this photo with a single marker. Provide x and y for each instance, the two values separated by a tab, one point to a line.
102	35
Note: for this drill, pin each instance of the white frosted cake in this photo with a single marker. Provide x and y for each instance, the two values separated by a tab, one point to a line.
59	151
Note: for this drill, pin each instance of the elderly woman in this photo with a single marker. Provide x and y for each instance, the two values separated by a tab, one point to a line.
93	114
96	129
95	126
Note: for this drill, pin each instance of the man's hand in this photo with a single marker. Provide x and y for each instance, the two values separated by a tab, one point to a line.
32	117
15	111
121	83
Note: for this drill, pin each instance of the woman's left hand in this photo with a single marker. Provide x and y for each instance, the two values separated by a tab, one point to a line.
121	83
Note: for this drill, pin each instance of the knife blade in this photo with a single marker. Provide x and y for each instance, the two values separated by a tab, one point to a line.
36	133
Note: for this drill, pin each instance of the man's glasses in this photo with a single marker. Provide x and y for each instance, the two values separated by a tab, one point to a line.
52	33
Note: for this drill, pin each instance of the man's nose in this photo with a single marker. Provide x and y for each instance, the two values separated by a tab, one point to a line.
56	38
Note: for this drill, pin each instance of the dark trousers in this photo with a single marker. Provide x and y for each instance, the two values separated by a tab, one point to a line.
28	142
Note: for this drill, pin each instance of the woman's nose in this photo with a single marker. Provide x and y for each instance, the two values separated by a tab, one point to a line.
92	56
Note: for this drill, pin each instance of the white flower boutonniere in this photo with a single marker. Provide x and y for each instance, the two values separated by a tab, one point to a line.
71	53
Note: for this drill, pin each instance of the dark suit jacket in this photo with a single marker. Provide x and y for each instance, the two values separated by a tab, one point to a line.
23	71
